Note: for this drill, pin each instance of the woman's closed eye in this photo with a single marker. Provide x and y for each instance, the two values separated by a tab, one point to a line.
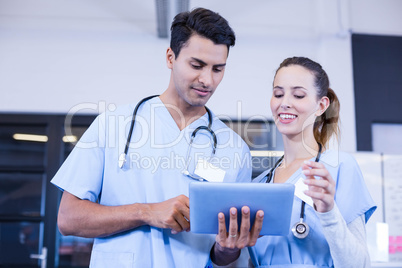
299	96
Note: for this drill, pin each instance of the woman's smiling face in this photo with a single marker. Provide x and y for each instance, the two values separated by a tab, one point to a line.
294	102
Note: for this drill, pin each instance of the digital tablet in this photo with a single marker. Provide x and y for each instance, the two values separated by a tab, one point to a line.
207	199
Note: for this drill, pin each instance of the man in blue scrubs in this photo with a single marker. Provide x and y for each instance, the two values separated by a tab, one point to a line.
138	213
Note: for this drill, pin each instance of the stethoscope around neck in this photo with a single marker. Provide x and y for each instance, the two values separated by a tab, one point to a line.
123	156
300	229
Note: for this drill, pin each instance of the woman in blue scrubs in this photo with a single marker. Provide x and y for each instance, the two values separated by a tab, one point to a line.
337	203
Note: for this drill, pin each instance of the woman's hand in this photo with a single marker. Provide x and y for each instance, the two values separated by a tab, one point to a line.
322	188
230	242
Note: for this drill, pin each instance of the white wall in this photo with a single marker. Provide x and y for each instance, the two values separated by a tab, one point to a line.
57	55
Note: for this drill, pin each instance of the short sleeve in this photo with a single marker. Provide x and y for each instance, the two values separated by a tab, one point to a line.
352	195
81	173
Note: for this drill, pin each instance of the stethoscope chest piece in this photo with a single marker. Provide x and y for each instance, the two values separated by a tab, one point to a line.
300	229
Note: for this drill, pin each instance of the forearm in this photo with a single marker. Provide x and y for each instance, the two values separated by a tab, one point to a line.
87	219
347	243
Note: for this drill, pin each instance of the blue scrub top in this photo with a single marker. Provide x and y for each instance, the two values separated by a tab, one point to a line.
152	173
313	251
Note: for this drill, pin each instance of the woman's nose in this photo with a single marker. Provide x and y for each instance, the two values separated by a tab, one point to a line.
285	104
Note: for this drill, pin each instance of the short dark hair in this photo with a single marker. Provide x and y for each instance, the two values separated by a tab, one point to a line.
203	22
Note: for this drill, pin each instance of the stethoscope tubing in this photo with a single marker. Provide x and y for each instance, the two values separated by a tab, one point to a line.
130	133
270	176
251	250
123	156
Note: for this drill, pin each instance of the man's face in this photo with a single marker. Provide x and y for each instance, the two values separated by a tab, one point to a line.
198	70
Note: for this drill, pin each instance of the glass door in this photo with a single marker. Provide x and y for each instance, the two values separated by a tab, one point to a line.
22	194
32	148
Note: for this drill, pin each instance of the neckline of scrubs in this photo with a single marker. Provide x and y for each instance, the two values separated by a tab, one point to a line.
173	122
296	175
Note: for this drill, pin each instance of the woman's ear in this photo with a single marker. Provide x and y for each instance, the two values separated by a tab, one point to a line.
169	58
323	106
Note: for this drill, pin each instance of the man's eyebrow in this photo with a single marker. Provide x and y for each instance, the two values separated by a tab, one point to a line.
199	61
220	65
204	63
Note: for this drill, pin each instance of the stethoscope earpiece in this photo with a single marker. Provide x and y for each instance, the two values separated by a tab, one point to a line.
300	229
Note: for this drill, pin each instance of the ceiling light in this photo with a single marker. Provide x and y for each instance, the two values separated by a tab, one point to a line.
30	137
70	138
41	138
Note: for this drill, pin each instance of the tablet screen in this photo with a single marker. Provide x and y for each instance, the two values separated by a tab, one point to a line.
207	199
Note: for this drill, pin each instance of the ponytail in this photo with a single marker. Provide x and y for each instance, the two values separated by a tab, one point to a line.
327	124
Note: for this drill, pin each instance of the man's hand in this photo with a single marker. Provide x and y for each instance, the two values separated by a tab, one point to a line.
171	214
229	243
